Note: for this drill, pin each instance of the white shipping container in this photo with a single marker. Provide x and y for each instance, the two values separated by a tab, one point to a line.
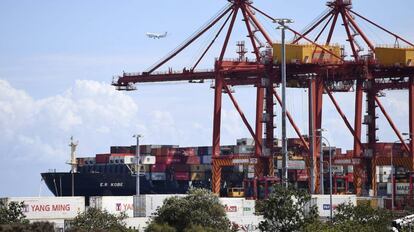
293	164
400	188
244	149
237	207
323	203
44	208
247	223
148	204
137	223
113	204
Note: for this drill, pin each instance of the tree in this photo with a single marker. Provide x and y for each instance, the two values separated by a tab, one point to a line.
200	211
97	220
363	215
287	209
355	218
12	213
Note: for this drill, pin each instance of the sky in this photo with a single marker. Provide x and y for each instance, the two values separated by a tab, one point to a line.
57	60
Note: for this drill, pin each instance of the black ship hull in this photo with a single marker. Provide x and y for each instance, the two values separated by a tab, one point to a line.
100	184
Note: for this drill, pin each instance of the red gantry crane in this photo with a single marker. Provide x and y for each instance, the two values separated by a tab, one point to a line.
323	70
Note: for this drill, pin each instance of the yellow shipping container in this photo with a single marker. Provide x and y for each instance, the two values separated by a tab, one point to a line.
306	53
395	56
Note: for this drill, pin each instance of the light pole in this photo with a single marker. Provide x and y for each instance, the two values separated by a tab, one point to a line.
330	172
321	187
392	174
137	162
282	25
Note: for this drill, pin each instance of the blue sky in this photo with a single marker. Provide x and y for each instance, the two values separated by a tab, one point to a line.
57	59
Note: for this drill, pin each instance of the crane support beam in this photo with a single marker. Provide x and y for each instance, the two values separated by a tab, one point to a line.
342	114
250	32
292	122
394	127
332	29
382	28
259	26
217	108
314	26
239	110
367	41
323	28
350	37
212	42
190	41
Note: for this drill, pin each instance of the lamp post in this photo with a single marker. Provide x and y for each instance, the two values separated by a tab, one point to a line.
392	174
137	162
321	187
330	172
282	25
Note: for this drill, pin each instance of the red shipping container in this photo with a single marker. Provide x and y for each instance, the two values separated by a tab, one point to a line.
180	167
156	151
102	158
158	168
182	176
175	159
193	160
302	175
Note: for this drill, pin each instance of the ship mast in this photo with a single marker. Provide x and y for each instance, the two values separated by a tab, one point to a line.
73	163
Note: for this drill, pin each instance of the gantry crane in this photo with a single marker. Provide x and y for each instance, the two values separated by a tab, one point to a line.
320	76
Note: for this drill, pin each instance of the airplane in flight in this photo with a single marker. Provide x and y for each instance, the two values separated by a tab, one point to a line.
156	36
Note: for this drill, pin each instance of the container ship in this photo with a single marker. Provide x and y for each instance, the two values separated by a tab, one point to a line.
164	169
170	169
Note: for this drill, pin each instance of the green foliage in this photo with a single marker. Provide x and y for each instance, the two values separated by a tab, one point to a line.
33	227
154	227
12	213
363	217
350	218
200	210
287	209
97	220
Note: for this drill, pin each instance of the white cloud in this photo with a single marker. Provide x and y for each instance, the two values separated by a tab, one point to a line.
39	128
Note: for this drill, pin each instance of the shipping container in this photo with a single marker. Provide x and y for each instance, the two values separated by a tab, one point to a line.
158	168
237	207
246	149
158	176
392	56
121	159
148	204
247	223
206	159
193	160
322	202
44	208
307	53
181	175
293	164
180	167
156	151
245	141
113	204
202	151
102	158
171	159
